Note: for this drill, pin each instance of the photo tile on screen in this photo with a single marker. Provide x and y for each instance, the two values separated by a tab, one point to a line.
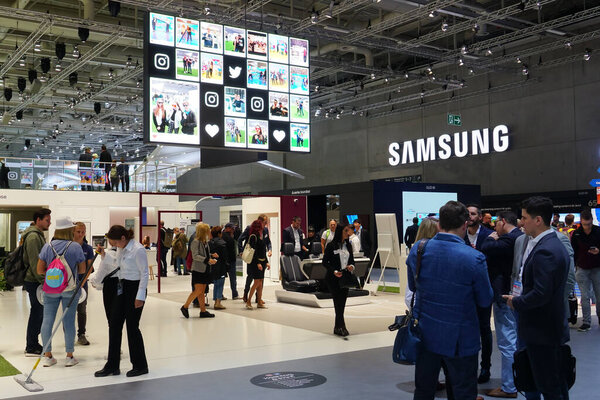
257	74
211	68
161	29
299	52
278	48
300	137
174	111
187	65
279	106
211	37
235	102
256	43
187	35
235	41
235	132
279	77
258	134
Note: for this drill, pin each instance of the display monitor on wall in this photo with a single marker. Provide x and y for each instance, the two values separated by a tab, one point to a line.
422	204
219	86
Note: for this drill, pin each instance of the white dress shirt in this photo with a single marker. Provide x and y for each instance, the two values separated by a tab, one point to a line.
530	246
355	242
297	244
134	266
107	265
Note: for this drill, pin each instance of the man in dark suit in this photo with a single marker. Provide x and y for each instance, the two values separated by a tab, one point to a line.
538	298
499	250
106	163
475	236
293	234
365	238
411	233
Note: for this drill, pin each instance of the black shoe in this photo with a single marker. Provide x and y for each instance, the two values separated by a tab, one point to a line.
185	312
338	331
136	372
206	314
484	376
245	298
186	273
345	332
35	352
223	298
106	372
584	328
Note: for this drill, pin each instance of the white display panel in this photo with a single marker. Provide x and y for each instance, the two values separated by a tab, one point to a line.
420	204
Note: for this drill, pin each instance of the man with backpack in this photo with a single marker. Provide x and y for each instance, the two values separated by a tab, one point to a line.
33	241
166	240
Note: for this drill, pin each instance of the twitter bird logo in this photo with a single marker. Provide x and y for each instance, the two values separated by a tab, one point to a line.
234	73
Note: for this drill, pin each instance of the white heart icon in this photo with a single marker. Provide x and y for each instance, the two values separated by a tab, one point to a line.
279	135
212	130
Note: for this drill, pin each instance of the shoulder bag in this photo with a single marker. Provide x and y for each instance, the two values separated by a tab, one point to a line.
248	253
409	336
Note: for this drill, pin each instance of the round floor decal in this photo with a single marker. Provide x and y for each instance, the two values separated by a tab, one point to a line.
288	380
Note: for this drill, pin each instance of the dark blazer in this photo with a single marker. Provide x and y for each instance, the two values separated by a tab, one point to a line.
287	236
499	254
105	160
411	234
541	306
365	242
218	245
483	233
332	262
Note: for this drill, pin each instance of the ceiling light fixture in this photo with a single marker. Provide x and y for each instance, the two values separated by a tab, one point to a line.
433	14
22	61
461	62
587	55
58	67
525	70
464	49
444	26
37	47
314	17
76	52
488	52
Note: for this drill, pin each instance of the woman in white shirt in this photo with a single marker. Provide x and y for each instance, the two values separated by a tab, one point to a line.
128	304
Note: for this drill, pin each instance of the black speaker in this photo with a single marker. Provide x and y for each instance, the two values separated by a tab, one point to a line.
45	64
7	94
21	84
114	7
19	115
97	107
32	75
60	50
84	34
73	78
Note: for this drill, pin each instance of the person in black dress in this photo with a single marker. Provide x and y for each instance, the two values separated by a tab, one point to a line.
337	258
256	269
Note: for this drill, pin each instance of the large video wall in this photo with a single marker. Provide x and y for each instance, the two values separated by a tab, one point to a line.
225	87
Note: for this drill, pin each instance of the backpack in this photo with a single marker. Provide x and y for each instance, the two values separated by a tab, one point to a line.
59	276
14	266
168	242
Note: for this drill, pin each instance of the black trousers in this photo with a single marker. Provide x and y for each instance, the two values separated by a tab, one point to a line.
123	310
339	295
461	375
124	183
163	260
547	367
109	294
485	331
36	316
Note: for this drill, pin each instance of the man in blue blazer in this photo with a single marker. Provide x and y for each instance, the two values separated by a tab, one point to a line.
453	281
475	237
538	296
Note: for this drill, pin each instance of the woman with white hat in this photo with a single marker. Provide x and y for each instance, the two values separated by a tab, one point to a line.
61	245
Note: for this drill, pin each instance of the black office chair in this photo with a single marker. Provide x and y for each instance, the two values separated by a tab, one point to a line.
292	277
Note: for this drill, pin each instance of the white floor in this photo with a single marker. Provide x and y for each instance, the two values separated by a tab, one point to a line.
174	345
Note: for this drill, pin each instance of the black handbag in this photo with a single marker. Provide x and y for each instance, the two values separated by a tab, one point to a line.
348	280
409	337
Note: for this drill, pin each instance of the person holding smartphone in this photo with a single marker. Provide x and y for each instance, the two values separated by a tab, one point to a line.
586	242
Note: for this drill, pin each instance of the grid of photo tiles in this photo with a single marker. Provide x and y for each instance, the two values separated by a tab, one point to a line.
221	86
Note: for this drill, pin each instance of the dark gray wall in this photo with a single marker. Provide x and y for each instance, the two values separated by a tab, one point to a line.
554	124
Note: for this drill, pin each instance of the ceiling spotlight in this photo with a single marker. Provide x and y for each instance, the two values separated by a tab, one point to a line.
488	52
519	60
111	74
207	10
587	55
433	14
337	116
317	88
353	110
329	13
38	46
58	67
22	61
129	61
314	17
139	83
76	52
475	28
326	115
372	75
406	76
525	70
444	26
538	5
461	62
429	70
568	45
464	49
471	71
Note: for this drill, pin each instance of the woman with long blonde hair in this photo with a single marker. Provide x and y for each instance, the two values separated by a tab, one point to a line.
202	260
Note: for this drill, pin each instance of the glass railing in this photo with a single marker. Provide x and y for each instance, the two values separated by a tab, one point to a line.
27	173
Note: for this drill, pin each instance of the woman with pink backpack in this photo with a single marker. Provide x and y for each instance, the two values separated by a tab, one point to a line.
60	261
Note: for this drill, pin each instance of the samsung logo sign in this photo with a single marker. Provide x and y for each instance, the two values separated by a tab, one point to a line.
459	144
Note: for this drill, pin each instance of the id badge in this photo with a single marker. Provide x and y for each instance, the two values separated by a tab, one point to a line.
517	288
119	288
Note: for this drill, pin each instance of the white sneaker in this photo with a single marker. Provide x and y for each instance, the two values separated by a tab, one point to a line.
49	361
70	361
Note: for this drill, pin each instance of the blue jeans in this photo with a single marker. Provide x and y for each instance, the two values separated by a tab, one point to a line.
51	303
180	265
506	335
218	290
586	279
462	374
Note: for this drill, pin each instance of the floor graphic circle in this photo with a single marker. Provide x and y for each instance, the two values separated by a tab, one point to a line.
288	380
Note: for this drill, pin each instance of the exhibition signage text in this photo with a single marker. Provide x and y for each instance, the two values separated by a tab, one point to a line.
459	144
